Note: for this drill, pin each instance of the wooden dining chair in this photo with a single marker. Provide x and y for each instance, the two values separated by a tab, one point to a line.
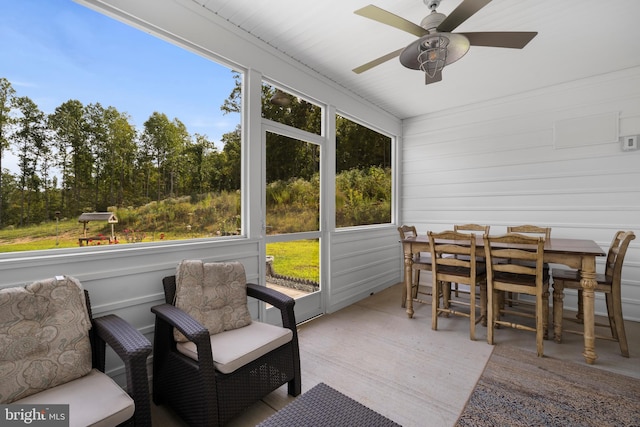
528	230
421	262
532	230
527	277
609	283
484	229
453	260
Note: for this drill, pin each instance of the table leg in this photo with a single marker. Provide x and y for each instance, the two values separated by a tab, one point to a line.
558	311
588	283
408	265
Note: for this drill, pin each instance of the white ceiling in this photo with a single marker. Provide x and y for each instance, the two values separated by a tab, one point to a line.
576	39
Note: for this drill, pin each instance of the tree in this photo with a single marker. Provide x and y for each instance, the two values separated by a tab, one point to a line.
30	139
228	164
120	158
358	147
164	142
7	94
198	155
96	129
69	127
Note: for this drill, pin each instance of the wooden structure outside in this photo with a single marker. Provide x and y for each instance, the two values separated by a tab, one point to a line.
86	217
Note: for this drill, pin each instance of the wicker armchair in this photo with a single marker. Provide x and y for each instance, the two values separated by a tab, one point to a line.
134	349
199	393
111	405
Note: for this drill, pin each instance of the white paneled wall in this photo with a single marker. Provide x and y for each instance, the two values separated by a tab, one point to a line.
362	262
127	279
496	163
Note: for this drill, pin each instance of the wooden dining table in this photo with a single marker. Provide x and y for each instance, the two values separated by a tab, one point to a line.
578	254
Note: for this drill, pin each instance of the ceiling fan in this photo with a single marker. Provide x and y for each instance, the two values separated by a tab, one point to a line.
437	46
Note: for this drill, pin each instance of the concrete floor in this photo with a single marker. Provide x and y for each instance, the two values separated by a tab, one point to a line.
402	369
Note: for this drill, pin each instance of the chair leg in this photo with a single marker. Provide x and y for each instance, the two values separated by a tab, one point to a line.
483	303
545	313
472	312
619	324
580	314
558	310
446	295
294	388
435	303
493	307
540	325
610	315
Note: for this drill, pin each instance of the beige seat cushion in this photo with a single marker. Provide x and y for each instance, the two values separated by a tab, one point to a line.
215	294
44	337
235	348
94	400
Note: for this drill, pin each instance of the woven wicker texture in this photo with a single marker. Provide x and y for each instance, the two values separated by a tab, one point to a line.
199	394
325	406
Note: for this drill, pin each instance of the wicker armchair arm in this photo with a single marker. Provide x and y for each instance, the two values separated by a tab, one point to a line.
126	341
133	348
190	328
277	299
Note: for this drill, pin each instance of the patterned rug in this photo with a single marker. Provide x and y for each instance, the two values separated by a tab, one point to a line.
519	389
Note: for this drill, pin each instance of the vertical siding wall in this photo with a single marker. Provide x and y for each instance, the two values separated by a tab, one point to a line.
362	262
496	163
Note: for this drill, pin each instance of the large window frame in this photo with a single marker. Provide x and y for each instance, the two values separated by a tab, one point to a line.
393	165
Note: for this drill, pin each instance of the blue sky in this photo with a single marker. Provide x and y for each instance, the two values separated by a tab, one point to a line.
56	50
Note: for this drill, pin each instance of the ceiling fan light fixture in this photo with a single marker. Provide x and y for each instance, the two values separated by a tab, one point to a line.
432	54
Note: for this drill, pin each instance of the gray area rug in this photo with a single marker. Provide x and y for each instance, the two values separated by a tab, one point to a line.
517	388
323	406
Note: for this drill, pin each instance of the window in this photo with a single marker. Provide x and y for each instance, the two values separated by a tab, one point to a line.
119	122
283	107
363	175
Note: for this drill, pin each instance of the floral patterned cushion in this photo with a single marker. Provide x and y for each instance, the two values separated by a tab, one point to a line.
44	337
214	294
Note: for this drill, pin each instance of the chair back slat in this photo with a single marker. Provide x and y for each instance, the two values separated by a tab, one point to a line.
472	227
529	249
531	230
447	246
407	231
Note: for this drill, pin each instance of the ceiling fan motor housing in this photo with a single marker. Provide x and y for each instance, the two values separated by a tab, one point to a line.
432	20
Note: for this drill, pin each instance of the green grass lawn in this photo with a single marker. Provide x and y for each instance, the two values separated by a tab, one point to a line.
300	258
